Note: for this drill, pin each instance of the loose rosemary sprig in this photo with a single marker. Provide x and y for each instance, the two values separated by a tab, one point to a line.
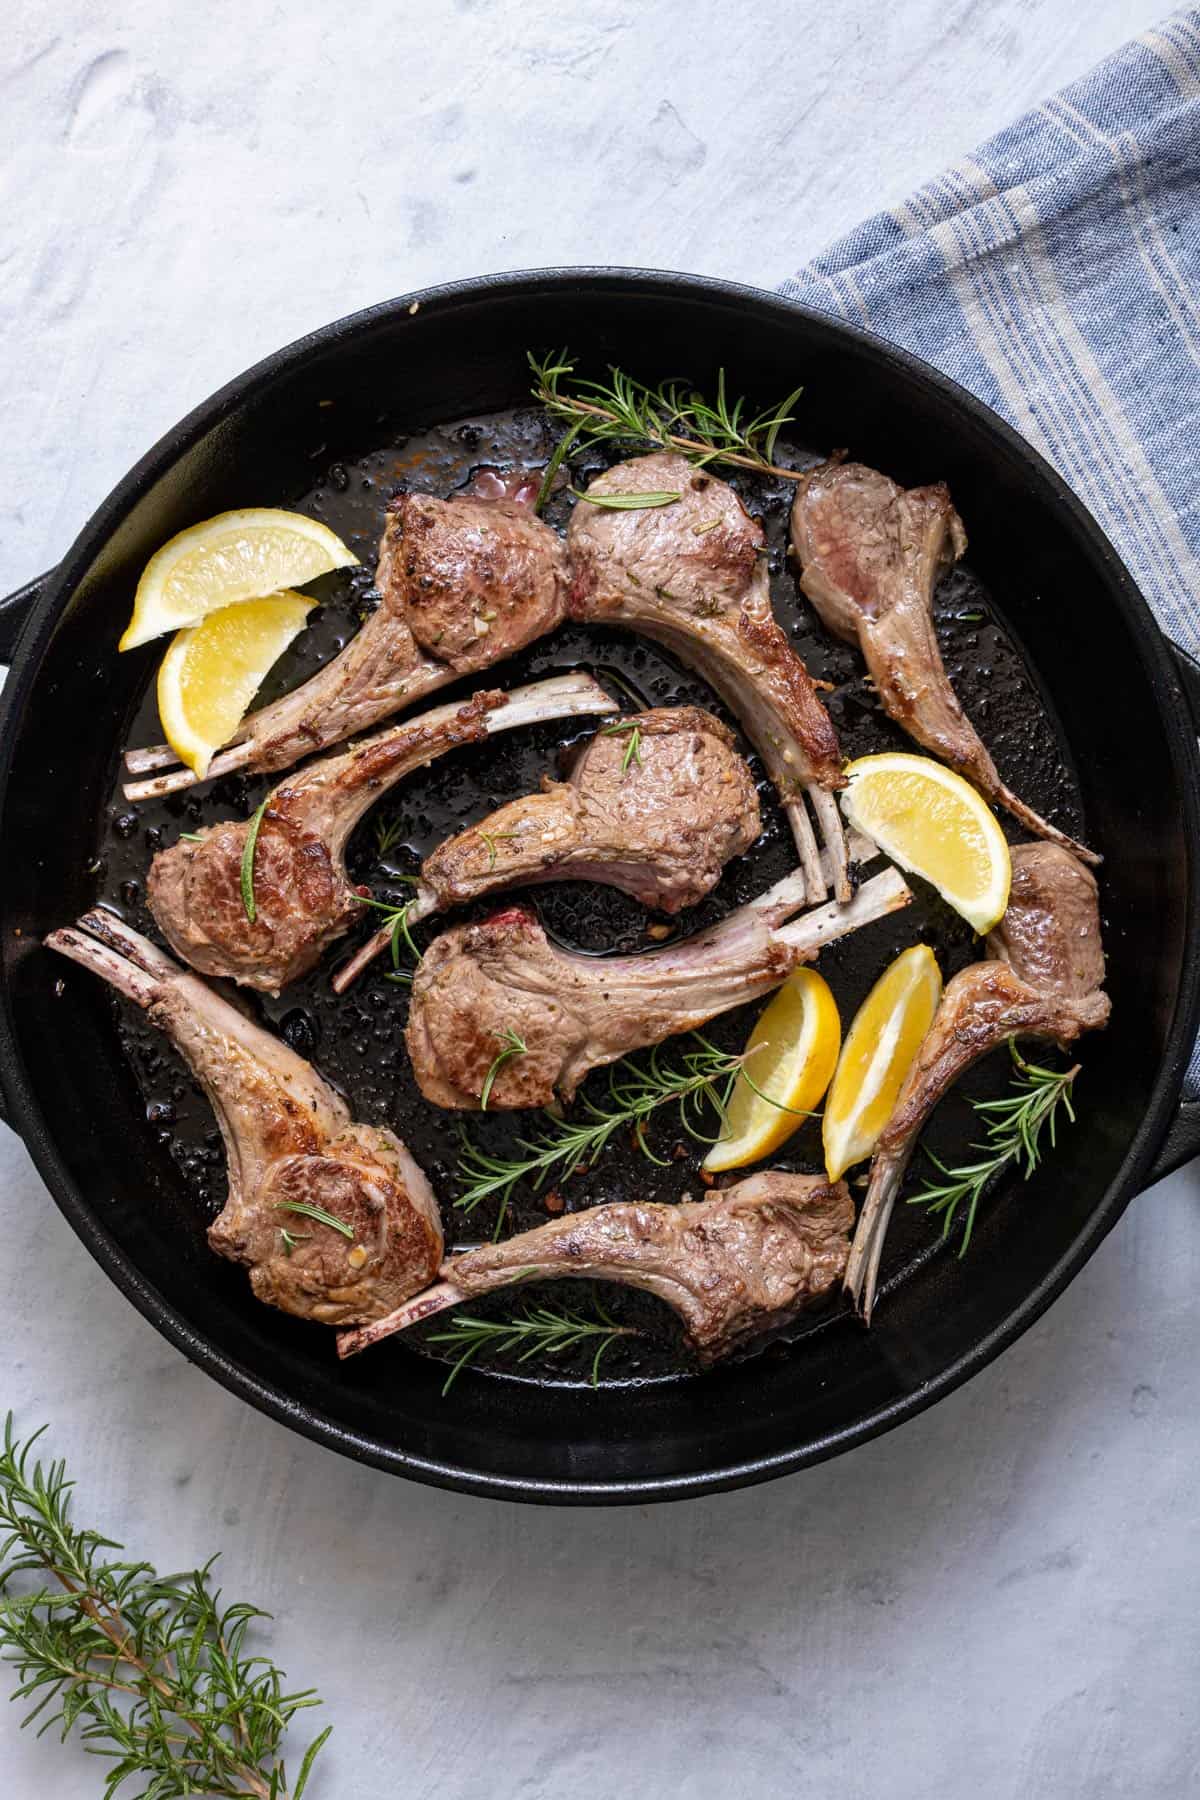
672	416
152	1670
397	917
1014	1128
388	833
633	750
537	1331
251	844
702	1084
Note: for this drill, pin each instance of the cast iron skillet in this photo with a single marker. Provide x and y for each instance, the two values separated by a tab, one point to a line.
1121	693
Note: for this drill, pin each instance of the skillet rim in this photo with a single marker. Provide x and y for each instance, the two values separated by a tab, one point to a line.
23	1110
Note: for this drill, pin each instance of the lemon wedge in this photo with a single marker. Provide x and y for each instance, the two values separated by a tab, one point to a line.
887	1032
790	1057
931	821
242	555
213	670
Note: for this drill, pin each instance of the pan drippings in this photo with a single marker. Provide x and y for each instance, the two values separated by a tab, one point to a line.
357	1042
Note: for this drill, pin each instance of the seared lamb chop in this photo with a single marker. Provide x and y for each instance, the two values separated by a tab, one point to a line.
655	806
742	1261
870	553
482	988
1043	979
303	899
464	582
290	1143
693	576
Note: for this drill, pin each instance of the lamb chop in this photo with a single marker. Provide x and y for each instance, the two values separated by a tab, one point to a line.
693	576
655	806
742	1261
487	988
870	554
1043	979
291	1146
464	582
302	896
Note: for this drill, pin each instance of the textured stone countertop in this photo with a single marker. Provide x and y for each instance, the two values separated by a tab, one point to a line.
996	1600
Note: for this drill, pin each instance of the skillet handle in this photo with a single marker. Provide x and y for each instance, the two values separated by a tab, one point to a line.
15	610
1182	1141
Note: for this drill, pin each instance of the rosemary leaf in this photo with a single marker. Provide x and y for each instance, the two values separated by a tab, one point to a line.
315	1212
191	837
633	751
511	1045
557	458
627	502
491	839
251	845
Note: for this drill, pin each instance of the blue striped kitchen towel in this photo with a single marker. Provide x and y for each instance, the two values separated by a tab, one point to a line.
1056	274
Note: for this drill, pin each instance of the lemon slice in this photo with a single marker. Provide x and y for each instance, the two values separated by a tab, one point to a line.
213	670
887	1032
791	1055
242	555
929	820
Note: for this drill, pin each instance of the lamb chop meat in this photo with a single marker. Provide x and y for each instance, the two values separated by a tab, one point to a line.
655	806
742	1261
482	987
1043	979
870	553
291	1145
302	895
693	576
464	582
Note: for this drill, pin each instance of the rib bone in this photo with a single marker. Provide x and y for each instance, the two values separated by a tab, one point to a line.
464	582
693	576
1042	980
303	898
740	1262
479	983
657	814
289	1141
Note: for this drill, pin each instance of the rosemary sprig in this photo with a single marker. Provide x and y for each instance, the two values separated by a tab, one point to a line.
622	411
628	502
537	1331
1014	1129
315	1212
388	832
251	844
635	1091
633	750
152	1670
512	1044
397	918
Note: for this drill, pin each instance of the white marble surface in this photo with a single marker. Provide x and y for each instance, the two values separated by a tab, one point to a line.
997	1599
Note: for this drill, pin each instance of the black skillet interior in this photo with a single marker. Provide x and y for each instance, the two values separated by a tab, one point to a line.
1032	635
